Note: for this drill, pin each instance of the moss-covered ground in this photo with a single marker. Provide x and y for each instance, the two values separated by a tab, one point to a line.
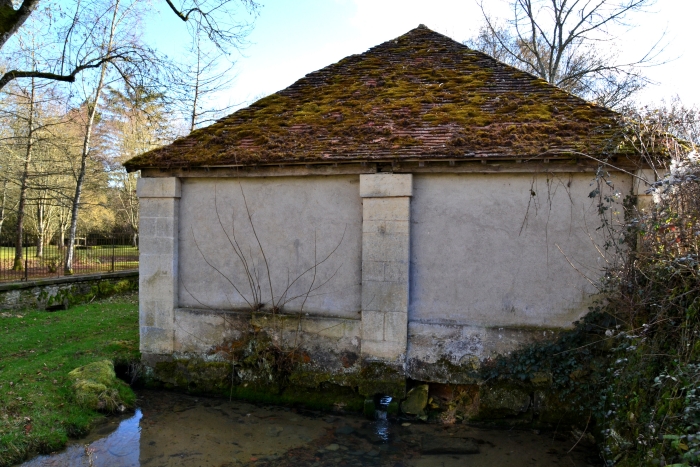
38	349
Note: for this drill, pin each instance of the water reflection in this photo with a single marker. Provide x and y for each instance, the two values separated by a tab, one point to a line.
178	430
381	425
383	429
119	449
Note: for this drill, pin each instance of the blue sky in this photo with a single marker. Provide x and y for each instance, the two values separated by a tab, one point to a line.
293	38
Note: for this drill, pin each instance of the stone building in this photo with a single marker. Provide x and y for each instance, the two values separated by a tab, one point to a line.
405	213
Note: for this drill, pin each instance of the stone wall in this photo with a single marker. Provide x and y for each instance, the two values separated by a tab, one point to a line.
159	227
498	261
374	277
386	218
64	291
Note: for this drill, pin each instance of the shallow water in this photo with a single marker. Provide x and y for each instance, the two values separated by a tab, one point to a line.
177	430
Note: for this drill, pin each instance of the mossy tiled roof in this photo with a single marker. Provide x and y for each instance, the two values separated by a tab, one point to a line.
419	96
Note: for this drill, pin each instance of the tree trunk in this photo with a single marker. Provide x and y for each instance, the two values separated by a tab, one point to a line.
18	266
68	267
2	205
40	229
195	98
92	110
13	19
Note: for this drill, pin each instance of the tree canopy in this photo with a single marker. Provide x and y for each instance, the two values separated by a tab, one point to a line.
74	37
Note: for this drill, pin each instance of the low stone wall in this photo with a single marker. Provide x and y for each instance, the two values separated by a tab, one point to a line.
65	291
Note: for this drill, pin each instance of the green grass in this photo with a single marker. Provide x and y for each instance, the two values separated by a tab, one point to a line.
37	351
100	251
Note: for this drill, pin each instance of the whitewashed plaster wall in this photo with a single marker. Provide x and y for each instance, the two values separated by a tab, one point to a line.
493	261
485	252
299	221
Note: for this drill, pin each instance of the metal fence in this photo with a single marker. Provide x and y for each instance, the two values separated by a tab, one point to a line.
93	253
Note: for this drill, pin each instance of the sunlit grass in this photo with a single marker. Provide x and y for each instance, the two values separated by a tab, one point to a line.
37	350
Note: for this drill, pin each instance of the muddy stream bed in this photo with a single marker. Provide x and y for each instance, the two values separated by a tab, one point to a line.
171	429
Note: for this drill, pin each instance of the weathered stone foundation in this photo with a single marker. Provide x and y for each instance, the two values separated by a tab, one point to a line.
316	362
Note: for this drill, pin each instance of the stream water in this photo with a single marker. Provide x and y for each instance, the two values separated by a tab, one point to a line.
171	429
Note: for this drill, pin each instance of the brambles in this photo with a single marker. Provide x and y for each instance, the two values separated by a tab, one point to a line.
631	364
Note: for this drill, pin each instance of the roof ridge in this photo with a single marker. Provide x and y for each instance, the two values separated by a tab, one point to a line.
489	57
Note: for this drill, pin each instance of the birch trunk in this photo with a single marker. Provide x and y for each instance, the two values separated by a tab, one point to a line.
92	110
195	98
2	205
40	229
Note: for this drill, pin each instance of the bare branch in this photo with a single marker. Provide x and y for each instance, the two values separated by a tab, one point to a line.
69	78
558	40
14	19
179	14
257	239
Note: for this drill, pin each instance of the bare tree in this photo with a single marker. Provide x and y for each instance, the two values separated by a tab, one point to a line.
216	19
28	118
25	175
3	202
68	47
50	183
128	201
205	76
107	46
569	43
68	57
664	135
135	121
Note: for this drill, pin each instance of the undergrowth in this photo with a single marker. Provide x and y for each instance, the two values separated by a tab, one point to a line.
38	349
652	409
630	370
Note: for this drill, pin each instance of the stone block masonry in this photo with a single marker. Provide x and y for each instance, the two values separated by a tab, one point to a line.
61	292
386	213
158	266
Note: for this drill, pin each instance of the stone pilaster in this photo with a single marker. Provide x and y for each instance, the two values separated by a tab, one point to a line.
385	266
158	262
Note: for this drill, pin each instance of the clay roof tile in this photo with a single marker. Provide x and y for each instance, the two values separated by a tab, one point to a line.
421	95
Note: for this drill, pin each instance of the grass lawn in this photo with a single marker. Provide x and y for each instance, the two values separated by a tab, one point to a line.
37	350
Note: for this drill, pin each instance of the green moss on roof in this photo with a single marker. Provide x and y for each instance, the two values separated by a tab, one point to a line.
421	95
